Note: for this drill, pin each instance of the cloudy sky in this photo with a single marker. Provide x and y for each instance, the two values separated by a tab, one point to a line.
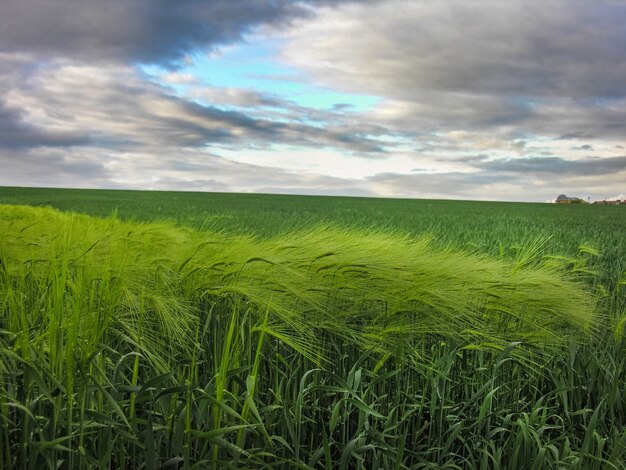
498	100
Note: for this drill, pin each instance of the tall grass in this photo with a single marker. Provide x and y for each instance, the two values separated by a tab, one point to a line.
147	345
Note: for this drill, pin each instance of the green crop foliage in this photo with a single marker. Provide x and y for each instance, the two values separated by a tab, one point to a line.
265	341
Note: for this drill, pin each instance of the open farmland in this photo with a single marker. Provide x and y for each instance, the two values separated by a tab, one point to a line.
190	330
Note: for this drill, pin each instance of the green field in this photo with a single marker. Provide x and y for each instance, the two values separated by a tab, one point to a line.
189	330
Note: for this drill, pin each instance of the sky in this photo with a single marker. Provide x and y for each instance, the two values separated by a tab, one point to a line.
488	100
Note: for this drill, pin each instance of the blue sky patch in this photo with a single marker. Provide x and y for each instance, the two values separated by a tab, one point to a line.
255	67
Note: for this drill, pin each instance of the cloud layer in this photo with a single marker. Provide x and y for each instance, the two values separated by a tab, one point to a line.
544	66
511	100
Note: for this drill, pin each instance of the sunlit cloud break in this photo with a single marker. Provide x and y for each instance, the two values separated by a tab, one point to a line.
475	100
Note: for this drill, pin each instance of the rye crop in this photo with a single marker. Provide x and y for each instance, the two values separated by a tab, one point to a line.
150	345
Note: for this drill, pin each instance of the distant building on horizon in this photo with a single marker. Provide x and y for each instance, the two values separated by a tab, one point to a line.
604	202
563	199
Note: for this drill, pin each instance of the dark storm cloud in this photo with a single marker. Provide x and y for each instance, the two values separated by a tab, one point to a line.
591	166
147	31
131	30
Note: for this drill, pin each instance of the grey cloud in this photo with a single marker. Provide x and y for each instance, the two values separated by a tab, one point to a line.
514	48
16	133
118	109
492	184
575	135
276	131
601	121
471	158
342	106
146	31
132	30
236	97
554	165
348	126
548	67
53	167
444	110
